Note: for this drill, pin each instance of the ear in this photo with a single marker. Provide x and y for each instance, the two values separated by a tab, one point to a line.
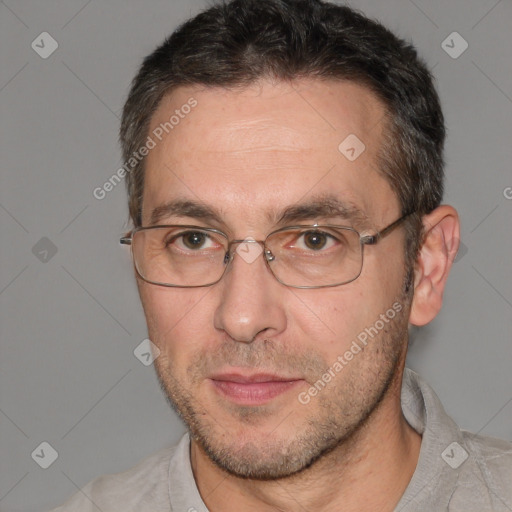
436	255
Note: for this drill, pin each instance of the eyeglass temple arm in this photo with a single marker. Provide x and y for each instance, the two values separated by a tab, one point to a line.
126	240
373	239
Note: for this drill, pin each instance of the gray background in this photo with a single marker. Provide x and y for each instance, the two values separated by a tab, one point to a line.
71	320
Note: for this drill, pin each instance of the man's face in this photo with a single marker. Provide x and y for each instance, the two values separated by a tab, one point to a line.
238	359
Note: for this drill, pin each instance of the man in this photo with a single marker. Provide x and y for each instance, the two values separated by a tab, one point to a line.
286	199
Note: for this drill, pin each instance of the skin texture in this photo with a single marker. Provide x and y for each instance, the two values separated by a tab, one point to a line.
249	153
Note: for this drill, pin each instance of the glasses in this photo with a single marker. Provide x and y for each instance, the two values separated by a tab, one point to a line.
314	256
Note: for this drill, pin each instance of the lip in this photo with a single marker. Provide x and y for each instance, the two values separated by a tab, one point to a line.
252	389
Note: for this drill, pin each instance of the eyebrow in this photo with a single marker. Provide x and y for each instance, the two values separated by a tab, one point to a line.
325	206
185	208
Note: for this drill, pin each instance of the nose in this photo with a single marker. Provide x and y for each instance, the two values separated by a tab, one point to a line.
250	300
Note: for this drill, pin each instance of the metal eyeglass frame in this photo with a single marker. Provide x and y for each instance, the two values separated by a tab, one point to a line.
268	256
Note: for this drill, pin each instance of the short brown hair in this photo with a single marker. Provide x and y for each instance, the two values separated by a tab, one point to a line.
238	42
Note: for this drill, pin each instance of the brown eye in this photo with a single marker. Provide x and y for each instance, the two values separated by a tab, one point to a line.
315	240
193	240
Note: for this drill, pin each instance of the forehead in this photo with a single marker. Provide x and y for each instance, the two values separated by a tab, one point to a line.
267	146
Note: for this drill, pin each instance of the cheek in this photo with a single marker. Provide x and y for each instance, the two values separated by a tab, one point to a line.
177	320
324	321
329	320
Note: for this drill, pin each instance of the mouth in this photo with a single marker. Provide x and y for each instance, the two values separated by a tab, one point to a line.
252	389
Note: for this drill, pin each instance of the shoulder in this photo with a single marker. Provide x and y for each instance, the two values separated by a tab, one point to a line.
482	471
143	487
457	470
493	458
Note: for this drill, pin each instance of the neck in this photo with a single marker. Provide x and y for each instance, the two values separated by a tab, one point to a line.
369	471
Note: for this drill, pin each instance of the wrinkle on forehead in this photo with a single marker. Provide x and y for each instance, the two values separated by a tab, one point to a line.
268	145
253	117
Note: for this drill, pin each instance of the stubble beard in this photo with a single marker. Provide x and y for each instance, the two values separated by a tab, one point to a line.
338	412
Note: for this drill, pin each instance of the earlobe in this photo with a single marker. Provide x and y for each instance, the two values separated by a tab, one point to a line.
435	258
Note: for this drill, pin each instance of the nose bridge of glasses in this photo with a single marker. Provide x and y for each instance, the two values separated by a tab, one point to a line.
245	252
